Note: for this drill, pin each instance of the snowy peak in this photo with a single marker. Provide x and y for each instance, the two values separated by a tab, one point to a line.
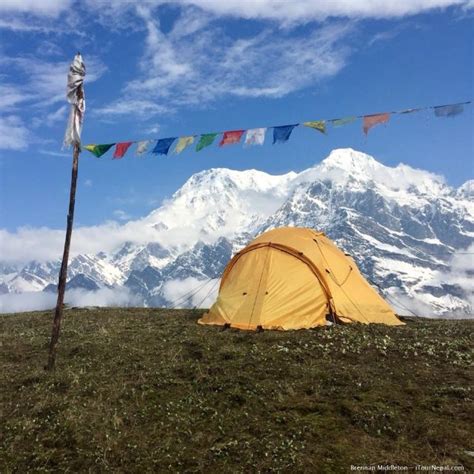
348	167
220	179
351	161
218	203
466	190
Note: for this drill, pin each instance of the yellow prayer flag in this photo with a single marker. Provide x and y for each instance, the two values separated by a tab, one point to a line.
319	125
183	142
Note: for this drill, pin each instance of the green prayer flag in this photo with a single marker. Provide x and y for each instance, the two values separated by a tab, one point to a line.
98	150
205	140
342	121
319	125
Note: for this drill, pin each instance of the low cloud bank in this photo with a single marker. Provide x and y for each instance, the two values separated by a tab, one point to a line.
462	272
406	306
187	293
28	301
194	292
191	292
38	300
460	275
103	297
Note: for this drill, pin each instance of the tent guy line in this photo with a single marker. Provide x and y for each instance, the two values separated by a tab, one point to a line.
256	136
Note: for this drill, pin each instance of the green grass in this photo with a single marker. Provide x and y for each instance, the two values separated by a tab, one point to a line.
140	390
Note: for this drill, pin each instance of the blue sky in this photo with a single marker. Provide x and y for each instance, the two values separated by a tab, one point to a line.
165	69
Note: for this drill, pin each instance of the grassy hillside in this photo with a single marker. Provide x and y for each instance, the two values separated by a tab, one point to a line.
149	390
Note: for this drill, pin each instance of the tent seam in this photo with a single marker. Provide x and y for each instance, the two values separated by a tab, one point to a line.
290	251
258	288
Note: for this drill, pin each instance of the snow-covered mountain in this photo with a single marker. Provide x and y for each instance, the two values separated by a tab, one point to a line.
409	232
401	225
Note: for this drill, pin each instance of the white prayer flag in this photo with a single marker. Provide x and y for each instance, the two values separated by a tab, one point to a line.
255	136
142	147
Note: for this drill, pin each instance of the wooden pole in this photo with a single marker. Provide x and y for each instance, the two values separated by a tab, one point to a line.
58	313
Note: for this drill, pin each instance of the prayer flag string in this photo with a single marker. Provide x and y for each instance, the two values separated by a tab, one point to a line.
256	136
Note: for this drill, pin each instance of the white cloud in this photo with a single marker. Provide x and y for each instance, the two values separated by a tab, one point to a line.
28	301
66	24
460	273
48	48
407	306
463	261
40	15
23	26
45	81
21	246
11	96
49	8
49	119
121	215
190	23
309	10
88	183
59	115
191	292
45	244
55	153
13	134
103	297
130	106
289	11
38	300
195	64
152	130
39	86
388	34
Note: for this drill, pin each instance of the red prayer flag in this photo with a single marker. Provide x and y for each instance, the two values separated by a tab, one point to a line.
121	149
372	120
231	137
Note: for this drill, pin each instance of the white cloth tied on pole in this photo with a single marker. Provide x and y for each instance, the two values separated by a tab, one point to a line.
75	96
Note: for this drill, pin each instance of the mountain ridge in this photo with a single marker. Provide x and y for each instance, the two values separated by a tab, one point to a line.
401	224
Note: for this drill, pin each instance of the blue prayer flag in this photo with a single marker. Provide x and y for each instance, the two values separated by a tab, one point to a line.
448	110
281	134
163	146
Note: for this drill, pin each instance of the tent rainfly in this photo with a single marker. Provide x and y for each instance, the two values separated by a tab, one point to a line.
295	278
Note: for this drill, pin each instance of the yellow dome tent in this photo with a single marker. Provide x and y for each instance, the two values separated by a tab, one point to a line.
292	278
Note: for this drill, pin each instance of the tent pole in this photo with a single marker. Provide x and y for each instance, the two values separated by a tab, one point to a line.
58	313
